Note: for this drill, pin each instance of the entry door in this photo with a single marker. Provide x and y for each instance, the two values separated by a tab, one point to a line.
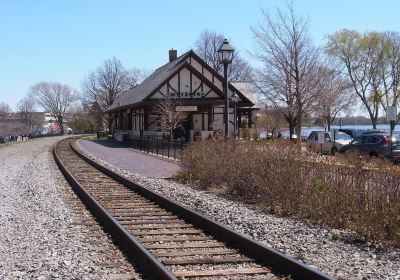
187	125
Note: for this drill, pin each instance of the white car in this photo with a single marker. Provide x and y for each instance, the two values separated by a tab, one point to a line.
331	144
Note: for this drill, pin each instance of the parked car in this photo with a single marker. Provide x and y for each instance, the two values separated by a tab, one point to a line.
353	133
332	142
369	131
5	139
375	144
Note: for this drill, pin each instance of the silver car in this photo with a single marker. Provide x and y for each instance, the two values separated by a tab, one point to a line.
332	142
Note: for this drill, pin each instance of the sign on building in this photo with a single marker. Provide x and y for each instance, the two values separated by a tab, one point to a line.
186	108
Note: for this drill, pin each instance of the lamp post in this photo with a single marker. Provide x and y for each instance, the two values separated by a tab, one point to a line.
225	53
234	100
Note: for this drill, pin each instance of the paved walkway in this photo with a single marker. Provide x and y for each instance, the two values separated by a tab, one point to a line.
121	156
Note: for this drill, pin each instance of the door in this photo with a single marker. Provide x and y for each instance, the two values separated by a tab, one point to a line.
358	144
328	144
187	125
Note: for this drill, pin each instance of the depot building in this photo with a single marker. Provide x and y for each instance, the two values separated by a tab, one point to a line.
199	90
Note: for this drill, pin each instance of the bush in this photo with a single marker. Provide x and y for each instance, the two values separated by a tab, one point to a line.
342	192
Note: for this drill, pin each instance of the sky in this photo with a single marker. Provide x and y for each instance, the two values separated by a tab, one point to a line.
62	41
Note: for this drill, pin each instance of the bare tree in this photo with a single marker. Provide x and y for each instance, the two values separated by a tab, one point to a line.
25	107
361	55
336	95
290	62
54	98
105	85
135	76
276	86
5	110
207	46
169	118
390	72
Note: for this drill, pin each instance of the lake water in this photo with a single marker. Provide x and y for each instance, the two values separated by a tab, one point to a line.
305	131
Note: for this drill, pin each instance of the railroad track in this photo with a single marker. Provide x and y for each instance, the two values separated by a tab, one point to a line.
168	240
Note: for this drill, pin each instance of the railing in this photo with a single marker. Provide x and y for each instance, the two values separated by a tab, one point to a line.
161	147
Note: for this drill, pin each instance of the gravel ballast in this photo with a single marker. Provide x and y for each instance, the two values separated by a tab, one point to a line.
324	249
45	232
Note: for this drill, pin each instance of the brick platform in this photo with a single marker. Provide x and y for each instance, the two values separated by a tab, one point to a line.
126	158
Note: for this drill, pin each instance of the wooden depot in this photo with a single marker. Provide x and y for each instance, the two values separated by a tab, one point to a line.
199	90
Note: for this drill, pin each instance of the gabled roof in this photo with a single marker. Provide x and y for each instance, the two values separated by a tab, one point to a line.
161	75
248	89
145	88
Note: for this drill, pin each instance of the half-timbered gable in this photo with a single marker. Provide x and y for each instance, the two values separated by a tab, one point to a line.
187	84
195	84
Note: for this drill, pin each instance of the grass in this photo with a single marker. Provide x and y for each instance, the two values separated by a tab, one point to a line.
91	137
339	192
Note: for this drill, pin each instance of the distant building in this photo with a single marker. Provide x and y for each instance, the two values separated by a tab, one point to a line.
199	89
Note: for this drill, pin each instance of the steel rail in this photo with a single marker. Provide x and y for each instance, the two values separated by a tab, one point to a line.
131	247
275	260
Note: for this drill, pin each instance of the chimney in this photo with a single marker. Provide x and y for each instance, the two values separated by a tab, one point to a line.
173	54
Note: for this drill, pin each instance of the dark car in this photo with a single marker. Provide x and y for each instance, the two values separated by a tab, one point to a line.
4	139
375	144
372	131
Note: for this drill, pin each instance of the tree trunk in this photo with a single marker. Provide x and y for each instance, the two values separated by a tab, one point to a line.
60	124
328	123
291	129
374	120
110	123
292	124
298	130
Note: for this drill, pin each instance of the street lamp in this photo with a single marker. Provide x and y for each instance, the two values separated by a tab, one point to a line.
234	100
225	53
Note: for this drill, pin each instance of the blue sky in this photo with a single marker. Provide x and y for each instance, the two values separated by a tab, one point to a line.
64	40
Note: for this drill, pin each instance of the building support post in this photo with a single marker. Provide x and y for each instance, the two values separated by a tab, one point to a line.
249	115
210	118
202	119
119	120
130	122
145	119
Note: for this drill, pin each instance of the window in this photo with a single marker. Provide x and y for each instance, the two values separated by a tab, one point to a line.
312	135
343	136
327	136
371	140
358	141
